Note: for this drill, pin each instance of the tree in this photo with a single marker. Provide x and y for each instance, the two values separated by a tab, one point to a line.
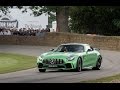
95	20
4	9
62	13
51	18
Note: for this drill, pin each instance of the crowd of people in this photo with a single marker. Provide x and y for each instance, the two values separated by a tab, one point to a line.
23	31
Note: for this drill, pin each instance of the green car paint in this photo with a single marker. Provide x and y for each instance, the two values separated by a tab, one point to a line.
88	56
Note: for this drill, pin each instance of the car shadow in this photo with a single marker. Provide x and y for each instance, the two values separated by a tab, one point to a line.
83	70
68	70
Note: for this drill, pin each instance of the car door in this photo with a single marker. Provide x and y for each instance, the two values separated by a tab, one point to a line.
88	57
93	56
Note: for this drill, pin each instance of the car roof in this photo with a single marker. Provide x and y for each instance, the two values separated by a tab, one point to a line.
75	44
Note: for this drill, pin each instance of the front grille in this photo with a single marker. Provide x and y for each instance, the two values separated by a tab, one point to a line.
53	61
61	67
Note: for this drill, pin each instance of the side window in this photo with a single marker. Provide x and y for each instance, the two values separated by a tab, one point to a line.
80	48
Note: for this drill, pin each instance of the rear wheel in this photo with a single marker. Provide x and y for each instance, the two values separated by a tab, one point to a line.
42	70
79	65
98	64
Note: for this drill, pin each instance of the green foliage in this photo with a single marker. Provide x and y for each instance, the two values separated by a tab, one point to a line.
51	18
4	9
39	10
103	20
96	20
61	15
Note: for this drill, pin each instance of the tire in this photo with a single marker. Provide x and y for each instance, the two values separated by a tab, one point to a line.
42	70
79	65
98	64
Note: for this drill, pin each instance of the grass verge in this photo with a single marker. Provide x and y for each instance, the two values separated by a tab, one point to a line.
110	79
15	62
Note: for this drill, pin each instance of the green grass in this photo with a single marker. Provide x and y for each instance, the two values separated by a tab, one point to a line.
14	62
104	80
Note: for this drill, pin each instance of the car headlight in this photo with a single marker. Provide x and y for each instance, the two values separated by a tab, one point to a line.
39	58
71	58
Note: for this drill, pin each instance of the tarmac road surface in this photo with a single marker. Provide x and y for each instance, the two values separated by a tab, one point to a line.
110	66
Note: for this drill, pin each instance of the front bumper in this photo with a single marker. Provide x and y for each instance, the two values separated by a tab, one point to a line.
56	66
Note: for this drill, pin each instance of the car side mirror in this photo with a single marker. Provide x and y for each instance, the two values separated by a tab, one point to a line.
51	49
88	50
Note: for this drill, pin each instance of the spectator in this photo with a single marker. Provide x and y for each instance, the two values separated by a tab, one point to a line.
7	32
24	32
37	33
15	32
1	32
47	28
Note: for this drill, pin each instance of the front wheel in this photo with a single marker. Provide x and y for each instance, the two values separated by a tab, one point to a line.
42	70
79	65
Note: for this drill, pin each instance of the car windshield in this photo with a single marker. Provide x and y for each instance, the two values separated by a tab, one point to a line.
70	48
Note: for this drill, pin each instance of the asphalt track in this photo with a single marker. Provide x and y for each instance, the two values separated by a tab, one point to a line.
110	66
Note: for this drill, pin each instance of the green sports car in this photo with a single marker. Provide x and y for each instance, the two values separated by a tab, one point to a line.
70	56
